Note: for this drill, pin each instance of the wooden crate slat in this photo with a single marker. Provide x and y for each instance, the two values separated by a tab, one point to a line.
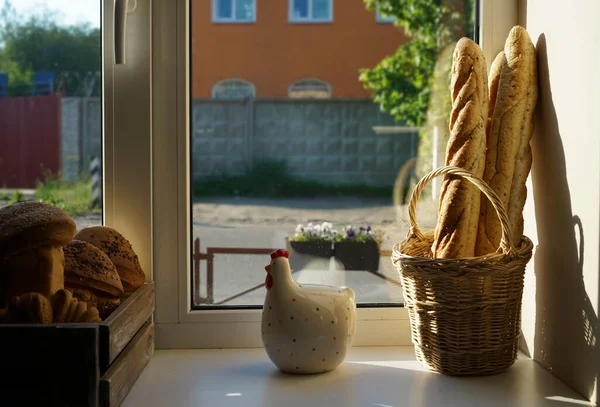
118	329
49	365
125	370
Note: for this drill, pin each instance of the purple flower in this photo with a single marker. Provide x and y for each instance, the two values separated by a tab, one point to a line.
350	233
369	228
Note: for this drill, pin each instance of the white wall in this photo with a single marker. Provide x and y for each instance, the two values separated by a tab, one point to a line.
560	305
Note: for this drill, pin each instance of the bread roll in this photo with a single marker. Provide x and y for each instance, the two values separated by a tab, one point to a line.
459	207
66	308
92	277
61	302
120	252
513	96
30	308
32	235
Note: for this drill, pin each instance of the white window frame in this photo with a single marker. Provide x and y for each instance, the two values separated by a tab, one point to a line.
314	80
381	19
232	80
146	149
232	20
309	19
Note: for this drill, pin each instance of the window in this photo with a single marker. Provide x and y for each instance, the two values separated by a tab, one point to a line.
309	89
225	200
234	11
233	89
311	11
383	19
51	107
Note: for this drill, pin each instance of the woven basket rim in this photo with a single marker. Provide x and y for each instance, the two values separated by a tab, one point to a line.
525	250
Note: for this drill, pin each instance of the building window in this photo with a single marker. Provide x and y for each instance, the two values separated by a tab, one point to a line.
382	18
234	11
233	89
311	11
309	89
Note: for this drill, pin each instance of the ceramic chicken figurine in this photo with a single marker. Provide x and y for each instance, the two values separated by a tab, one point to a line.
305	328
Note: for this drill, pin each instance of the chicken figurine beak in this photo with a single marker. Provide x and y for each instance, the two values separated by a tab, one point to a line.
268	268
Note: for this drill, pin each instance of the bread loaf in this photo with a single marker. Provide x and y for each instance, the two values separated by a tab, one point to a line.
459	207
513	96
120	252
32	235
92	277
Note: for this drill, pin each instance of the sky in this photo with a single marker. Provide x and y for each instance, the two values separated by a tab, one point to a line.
68	11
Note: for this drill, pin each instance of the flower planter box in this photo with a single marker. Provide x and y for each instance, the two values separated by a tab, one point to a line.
315	249
87	365
358	255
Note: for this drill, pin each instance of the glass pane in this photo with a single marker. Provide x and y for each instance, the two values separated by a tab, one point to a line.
51	107
321	158
300	8
244	10
321	9
225	8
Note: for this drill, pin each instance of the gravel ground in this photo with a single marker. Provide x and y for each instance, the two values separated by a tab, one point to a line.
263	223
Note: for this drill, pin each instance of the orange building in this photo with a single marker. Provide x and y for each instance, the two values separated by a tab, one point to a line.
281	48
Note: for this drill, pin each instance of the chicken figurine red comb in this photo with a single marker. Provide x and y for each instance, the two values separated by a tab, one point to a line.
280	253
306	329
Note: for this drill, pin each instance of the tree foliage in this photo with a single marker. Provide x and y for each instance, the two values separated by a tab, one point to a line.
40	43
402	82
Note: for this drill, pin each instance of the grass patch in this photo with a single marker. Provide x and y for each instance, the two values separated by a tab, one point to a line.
272	180
75	198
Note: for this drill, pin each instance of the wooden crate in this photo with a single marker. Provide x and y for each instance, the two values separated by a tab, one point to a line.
78	365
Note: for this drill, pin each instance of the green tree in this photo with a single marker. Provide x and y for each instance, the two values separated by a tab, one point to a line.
40	43
402	83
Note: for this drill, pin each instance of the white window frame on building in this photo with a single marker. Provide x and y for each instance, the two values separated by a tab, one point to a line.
234	84
310	18
233	18
383	19
309	88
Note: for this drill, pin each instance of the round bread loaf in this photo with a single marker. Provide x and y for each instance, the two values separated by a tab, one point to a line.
33	224
120	252
92	277
32	235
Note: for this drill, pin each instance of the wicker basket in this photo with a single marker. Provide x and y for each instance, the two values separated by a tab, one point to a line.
465	314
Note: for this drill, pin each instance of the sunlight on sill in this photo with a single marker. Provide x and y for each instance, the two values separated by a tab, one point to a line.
233	394
570	401
396	364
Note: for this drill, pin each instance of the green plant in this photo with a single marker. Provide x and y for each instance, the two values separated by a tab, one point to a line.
401	83
271	179
4	195
75	198
310	232
17	196
361	235
325	232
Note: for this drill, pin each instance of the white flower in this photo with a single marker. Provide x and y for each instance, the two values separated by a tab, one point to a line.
327	225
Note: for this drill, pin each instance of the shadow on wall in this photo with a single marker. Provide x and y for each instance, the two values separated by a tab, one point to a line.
566	324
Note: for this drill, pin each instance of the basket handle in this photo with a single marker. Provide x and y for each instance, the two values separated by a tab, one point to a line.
506	243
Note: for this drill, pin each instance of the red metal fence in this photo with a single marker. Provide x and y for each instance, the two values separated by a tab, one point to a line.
209	256
30	142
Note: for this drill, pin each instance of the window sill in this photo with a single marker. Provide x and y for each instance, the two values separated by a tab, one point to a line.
224	21
309	21
369	377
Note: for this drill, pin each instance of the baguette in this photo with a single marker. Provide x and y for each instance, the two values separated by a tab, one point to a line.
459	207
513	96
